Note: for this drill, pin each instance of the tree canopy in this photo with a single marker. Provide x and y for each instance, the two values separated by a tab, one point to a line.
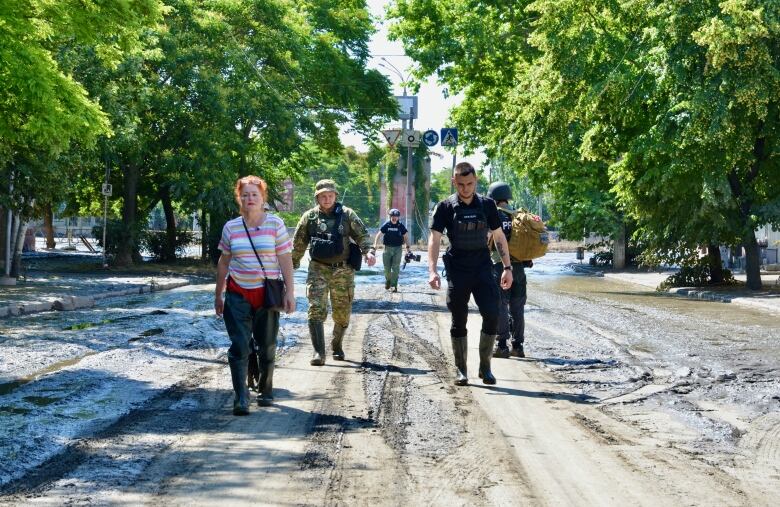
660	113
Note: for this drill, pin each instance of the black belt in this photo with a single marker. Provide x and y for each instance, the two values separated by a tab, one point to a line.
331	264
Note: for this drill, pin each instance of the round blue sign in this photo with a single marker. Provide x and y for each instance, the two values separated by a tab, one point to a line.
430	138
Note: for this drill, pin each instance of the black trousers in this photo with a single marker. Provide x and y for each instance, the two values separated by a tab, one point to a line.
243	324
479	282
511	311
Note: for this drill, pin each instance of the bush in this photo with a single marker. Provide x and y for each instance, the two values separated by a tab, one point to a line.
115	232
696	274
156	243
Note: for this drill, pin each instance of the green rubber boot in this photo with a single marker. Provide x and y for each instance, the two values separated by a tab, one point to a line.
459	350
317	332
338	337
486	342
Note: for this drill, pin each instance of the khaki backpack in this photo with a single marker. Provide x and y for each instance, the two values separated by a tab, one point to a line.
529	238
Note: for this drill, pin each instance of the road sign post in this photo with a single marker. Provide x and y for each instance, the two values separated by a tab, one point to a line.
449	137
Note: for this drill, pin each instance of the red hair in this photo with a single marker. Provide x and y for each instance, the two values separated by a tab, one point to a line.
250	180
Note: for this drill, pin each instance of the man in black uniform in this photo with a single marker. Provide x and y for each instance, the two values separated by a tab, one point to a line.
513	301
468	218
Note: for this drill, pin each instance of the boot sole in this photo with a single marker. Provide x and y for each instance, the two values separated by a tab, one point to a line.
338	357
317	363
265	402
461	382
240	411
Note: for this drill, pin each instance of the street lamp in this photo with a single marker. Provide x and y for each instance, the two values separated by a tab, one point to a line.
385	63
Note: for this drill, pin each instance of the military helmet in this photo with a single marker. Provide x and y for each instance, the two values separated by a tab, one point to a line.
326	185
394	213
500	191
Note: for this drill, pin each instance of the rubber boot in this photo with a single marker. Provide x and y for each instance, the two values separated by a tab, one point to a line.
338	337
517	350
486	342
501	350
265	386
238	375
459	344
317	332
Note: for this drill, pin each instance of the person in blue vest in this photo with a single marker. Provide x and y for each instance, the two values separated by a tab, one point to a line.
467	218
394	236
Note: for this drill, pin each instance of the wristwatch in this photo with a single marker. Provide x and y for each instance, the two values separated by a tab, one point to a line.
507	268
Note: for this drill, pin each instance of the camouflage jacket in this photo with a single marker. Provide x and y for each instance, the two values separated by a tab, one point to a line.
315	220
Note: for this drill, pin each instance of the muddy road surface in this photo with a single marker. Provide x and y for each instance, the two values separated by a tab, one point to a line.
626	397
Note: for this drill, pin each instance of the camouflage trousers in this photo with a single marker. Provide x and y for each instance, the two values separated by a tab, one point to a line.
339	283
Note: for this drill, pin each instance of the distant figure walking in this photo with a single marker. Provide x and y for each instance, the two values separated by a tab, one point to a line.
394	236
255	248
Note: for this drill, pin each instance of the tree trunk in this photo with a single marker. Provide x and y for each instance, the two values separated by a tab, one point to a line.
48	226
204	243
20	227
752	262
127	244
169	250
716	266
619	248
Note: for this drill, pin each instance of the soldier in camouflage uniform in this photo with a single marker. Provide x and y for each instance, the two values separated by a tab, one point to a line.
326	230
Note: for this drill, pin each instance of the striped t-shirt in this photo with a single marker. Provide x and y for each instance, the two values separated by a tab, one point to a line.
270	239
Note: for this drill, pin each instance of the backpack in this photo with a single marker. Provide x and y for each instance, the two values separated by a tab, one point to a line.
529	238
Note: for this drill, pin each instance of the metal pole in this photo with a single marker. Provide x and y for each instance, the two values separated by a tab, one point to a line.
452	174
105	217
409	188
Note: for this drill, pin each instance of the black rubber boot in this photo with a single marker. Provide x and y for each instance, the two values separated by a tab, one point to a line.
459	350
238	375
338	337
317	332
265	387
501	350
486	342
517	350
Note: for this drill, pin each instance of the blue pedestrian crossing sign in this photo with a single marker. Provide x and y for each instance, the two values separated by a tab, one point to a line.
449	137
430	138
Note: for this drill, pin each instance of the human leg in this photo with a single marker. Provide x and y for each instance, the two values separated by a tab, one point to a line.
238	322
518	298
265	332
458	295
487	297
317	293
342	290
395	266
502	330
387	261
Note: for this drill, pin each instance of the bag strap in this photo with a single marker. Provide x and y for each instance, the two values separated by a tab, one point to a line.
253	248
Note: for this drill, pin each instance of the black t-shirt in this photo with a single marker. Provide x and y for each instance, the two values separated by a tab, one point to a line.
443	217
393	233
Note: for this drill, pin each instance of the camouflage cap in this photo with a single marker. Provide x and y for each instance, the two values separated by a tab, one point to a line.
325	186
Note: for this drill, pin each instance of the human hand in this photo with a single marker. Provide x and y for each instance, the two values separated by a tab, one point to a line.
506	279
219	305
434	280
370	259
289	301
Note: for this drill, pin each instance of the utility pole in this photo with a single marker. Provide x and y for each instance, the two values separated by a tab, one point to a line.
409	184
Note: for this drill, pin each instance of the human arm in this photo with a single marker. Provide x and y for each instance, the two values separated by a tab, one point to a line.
379	234
300	241
406	242
222	271
502	247
434	243
286	264
359	233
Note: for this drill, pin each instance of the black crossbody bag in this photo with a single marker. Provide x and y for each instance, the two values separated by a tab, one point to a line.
274	288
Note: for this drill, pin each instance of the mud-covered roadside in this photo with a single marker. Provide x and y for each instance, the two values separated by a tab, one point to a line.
621	389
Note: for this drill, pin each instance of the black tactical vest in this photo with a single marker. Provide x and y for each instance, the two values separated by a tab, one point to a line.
469	230
325	240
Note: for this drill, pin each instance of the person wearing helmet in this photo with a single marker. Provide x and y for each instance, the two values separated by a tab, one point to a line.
511	319
394	235
326	230
468	217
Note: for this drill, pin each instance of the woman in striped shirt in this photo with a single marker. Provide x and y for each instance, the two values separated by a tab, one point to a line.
254	246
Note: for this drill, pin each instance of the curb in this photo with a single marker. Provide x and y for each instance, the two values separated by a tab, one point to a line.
706	295
67	303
